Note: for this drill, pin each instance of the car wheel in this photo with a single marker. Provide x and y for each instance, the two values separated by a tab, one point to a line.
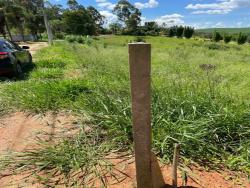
19	71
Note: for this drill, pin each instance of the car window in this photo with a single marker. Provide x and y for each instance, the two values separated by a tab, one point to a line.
5	46
16	46
10	45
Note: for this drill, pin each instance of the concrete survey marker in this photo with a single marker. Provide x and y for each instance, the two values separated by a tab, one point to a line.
148	172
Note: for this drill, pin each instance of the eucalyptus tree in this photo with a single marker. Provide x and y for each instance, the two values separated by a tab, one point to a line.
128	14
96	17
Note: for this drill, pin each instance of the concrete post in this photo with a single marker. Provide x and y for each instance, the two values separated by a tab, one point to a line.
148	172
139	59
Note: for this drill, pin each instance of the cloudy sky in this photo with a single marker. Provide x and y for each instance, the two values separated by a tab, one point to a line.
197	13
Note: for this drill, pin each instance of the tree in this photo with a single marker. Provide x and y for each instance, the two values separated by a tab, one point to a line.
179	31
73	4
227	38
242	39
115	28
15	17
151	26
188	32
34	18
128	14
171	32
79	22
134	20
4	24
96	17
217	36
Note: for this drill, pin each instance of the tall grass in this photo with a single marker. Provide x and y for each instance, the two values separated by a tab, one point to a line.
208	113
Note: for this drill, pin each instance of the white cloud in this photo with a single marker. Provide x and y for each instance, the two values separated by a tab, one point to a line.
170	19
100	1
211	12
104	4
221	7
149	4
109	17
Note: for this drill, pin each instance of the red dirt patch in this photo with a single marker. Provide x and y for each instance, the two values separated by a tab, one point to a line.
18	130
198	177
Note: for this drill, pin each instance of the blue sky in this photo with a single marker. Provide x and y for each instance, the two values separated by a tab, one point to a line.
196	13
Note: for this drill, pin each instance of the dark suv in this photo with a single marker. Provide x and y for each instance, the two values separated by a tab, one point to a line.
13	58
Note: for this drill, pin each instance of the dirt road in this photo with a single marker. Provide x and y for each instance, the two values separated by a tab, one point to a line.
35	46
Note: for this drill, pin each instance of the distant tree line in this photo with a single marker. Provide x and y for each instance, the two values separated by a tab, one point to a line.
129	24
26	16
239	38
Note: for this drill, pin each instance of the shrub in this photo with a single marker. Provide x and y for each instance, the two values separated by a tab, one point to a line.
139	39
217	36
188	32
227	38
60	36
80	39
248	39
88	40
241	38
152	33
215	46
70	38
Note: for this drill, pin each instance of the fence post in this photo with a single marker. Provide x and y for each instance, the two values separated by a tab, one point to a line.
140	70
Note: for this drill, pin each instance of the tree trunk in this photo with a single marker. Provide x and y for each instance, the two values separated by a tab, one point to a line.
22	32
8	30
48	27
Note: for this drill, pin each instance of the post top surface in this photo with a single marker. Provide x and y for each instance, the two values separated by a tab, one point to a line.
139	43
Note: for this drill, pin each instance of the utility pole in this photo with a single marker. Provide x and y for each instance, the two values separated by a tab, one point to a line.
47	25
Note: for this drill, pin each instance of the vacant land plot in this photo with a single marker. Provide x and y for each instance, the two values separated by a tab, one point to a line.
206	110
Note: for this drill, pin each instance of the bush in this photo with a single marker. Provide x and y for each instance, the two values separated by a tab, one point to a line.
188	32
217	36
248	39
80	39
139	39
215	46
242	39
227	38
152	33
60	36
70	38
88	40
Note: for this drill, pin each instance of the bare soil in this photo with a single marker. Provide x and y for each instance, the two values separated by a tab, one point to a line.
34	46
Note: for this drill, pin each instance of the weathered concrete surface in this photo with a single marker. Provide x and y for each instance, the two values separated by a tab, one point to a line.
147	169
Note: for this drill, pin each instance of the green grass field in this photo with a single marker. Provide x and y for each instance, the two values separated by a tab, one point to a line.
207	112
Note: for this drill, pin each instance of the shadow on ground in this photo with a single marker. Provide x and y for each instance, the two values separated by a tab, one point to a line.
27	69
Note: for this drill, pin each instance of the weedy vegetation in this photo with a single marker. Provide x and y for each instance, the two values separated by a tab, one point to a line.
206	110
